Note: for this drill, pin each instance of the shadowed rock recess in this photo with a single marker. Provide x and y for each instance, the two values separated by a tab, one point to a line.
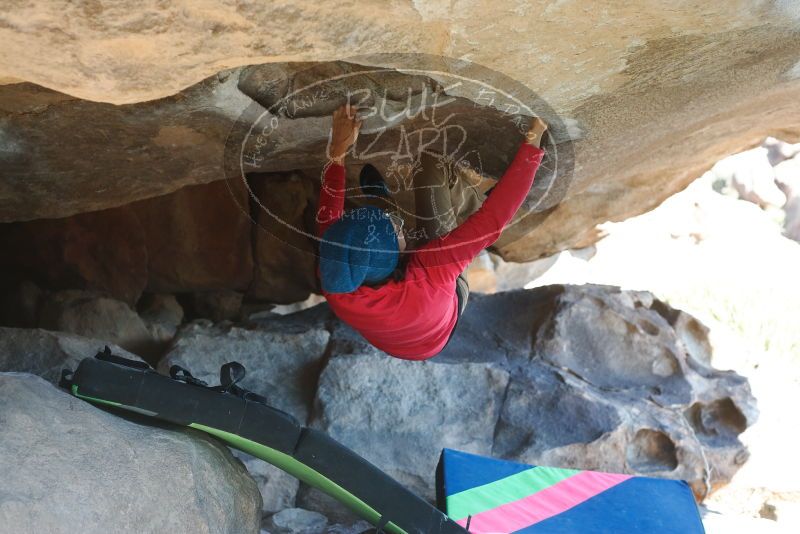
643	113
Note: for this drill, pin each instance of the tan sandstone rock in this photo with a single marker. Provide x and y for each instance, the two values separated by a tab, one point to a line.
651	93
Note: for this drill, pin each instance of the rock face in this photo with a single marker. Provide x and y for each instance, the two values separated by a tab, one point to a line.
95	315
278	488
587	377
639	94
629	374
400	415
103	251
198	238
162	314
285	267
195	239
45	353
156	50
67	463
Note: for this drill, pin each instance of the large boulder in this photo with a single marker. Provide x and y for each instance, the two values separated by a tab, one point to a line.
67	464
283	358
45	353
124	55
175	144
95	315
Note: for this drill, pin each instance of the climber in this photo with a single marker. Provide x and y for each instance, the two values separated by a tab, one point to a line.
408	309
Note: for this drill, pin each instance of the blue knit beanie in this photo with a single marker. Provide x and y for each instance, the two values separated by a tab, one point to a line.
360	247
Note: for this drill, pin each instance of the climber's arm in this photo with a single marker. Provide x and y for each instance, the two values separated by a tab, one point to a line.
331	197
446	257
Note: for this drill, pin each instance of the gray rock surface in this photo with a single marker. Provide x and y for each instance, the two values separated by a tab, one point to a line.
296	521
224	305
399	414
94	315
358	527
69	466
610	380
162	315
281	364
278	488
614	340
590	377
45	353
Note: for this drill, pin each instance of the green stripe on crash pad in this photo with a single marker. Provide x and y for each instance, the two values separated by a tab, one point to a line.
302	472
94	399
512	488
112	403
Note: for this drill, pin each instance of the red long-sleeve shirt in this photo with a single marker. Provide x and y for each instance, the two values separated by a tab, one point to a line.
413	318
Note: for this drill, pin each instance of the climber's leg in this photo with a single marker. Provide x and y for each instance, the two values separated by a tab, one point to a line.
432	198
462	295
468	192
446	194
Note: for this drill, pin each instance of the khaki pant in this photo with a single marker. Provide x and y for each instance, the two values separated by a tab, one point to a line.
434	199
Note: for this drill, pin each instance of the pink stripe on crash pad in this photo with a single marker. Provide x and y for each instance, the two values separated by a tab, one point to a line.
543	504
